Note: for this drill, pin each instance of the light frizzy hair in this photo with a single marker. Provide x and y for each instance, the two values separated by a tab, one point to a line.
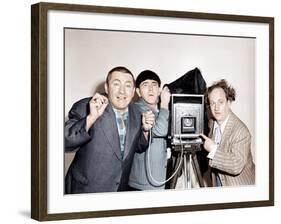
229	91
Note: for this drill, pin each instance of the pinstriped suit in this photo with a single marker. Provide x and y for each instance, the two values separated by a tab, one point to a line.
233	159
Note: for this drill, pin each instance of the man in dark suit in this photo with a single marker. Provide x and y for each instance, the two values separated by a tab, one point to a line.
107	132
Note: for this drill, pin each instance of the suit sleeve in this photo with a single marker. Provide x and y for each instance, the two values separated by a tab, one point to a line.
75	128
160	128
234	159
142	143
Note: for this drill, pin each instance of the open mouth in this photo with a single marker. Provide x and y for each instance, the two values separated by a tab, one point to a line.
121	98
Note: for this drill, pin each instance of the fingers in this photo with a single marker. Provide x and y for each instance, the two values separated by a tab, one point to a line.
208	143
204	136
148	120
99	100
166	89
98	96
149	117
165	97
148	113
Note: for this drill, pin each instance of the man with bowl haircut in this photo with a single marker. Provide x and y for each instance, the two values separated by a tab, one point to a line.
229	141
149	168
107	132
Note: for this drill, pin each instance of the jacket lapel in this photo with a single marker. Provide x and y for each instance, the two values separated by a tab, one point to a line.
110	130
131	130
228	129
211	132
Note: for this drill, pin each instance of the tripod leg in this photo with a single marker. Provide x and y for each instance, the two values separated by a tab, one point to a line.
175	178
197	170
187	164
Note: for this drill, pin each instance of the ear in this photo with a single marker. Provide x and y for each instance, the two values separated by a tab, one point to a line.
106	87
138	92
229	103
159	91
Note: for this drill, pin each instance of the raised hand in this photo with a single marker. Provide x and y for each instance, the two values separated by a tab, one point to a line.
97	106
165	98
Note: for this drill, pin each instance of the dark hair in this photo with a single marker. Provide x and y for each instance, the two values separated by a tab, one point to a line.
147	74
229	91
119	69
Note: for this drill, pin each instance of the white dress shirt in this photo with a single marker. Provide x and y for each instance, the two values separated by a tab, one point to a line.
215	146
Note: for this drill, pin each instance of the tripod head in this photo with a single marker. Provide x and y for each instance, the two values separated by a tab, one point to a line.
179	144
187	148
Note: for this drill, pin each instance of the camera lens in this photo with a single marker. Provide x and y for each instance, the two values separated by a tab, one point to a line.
188	122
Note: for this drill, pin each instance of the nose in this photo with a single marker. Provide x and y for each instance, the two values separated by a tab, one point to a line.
217	107
122	89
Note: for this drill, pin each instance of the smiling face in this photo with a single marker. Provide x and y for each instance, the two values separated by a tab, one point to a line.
220	106
149	90
120	89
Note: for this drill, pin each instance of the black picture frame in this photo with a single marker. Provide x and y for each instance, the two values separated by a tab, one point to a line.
39	108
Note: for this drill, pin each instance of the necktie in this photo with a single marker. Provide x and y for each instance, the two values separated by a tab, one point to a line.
121	125
218	135
122	134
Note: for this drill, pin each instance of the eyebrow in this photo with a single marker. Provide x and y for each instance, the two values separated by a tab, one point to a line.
216	100
118	80
153	81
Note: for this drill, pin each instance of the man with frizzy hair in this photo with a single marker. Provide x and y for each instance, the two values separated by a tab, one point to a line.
107	130
229	141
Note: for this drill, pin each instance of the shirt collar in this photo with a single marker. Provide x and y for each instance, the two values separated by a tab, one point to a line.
118	114
222	126
147	106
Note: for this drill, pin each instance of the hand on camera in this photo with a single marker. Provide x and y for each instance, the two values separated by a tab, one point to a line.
208	142
165	98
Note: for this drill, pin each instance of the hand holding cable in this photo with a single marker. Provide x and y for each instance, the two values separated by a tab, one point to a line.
148	121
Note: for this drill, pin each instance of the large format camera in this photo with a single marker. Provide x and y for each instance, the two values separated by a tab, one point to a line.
187	118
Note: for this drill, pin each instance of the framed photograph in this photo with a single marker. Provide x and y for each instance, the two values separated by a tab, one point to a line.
73	49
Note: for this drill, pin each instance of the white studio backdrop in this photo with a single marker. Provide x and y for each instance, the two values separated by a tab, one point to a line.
90	54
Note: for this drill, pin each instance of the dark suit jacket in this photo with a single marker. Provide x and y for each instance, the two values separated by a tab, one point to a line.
97	165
